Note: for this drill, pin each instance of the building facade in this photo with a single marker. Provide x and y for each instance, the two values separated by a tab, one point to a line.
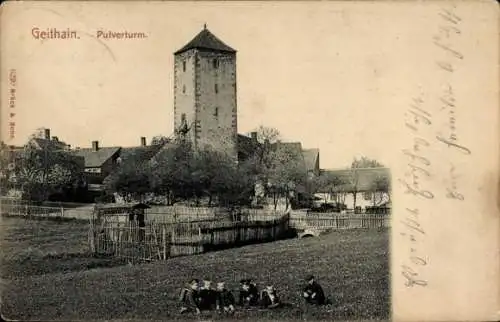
99	162
205	109
371	186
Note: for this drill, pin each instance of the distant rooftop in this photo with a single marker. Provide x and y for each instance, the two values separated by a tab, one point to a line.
53	144
208	41
96	158
365	177
311	158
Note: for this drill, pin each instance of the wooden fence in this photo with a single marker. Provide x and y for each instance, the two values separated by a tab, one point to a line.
162	240
44	212
32	212
5	201
164	236
159	241
325	221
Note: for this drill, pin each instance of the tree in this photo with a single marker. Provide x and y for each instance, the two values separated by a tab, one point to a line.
284	172
162	175
159	140
267	138
171	172
40	173
354	185
381	188
182	173
215	175
361	163
131	180
267	134
365	162
233	184
277	166
6	167
328	183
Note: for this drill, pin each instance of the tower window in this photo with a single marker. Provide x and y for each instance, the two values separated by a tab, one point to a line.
183	117
184	66
184	88
216	87
215	63
216	113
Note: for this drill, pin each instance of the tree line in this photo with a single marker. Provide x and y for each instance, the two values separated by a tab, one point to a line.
181	173
273	171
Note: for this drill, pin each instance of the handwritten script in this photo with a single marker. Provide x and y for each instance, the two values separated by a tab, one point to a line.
432	119
449	31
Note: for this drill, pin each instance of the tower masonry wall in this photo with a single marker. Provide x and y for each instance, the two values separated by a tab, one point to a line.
184	89
216	104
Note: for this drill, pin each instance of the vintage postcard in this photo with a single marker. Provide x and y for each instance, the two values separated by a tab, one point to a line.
253	161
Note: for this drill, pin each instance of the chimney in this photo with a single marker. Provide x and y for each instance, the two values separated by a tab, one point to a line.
68	146
254	136
47	134
143	141
55	138
95	145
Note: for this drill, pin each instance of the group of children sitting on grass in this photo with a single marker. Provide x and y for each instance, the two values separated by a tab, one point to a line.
196	298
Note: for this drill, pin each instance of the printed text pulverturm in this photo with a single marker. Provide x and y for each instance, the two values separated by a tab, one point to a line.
107	34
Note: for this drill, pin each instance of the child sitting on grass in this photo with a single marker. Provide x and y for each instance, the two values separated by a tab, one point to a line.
208	296
249	293
225	299
313	292
269	298
190	297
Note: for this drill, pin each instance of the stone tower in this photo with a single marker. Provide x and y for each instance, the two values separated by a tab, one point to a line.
205	93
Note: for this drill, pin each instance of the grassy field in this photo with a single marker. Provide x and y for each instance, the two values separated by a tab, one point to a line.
352	266
34	247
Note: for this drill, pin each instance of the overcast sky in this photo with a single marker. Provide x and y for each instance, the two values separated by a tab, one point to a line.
324	74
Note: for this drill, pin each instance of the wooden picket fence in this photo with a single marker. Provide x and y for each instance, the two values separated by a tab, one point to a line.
30	210
160	240
335	221
190	231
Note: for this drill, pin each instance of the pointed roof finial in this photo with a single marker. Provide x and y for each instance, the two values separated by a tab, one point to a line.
206	40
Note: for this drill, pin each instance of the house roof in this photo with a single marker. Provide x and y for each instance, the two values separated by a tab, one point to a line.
292	146
311	158
206	40
166	146
97	158
48	144
139	153
365	177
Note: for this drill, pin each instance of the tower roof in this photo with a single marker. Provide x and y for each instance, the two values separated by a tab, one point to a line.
206	40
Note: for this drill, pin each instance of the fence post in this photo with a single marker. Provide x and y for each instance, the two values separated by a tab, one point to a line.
91	237
164	240
200	241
